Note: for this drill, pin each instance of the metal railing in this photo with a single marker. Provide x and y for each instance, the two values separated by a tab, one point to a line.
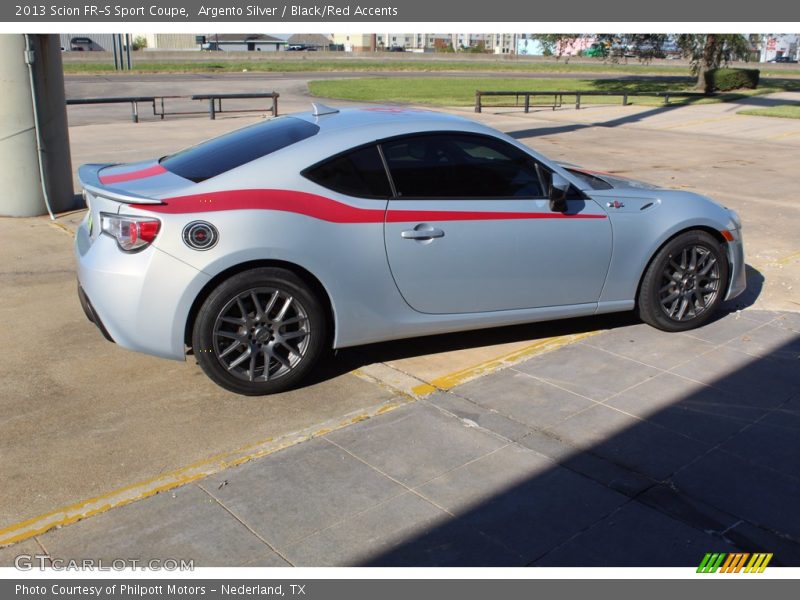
159	105
218	98
133	100
558	97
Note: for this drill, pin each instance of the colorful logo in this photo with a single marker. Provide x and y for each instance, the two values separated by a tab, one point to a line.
734	563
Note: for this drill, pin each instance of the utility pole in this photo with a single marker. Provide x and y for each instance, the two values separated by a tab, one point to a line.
35	165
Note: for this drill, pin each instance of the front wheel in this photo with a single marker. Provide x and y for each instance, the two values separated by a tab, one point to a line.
259	332
685	282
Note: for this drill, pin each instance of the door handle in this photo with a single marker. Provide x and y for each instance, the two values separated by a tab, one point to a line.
421	234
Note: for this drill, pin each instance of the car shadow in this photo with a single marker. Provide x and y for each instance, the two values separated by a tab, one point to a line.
543	130
707	468
349	359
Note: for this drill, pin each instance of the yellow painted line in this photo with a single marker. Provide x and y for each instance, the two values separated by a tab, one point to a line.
198	470
63	228
697	122
784	135
778	261
451	380
787	259
425	389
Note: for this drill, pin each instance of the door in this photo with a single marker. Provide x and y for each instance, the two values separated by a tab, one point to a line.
470	229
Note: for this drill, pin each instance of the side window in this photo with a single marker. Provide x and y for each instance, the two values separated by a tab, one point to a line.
358	173
456	165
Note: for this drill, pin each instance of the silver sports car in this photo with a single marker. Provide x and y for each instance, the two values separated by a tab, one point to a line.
257	250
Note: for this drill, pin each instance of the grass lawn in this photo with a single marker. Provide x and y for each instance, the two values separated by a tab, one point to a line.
344	63
460	91
375	65
785	111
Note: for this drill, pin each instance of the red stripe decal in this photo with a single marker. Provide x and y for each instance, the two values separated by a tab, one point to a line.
325	209
131	175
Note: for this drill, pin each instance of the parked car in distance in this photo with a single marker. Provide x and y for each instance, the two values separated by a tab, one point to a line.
258	250
83	44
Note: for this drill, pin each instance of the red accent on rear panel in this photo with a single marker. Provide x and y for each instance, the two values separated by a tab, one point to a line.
302	203
132	175
326	209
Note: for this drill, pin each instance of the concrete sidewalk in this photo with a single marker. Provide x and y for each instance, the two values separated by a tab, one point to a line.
630	448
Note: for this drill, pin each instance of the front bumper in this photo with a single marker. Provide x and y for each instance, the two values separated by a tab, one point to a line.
738	275
140	300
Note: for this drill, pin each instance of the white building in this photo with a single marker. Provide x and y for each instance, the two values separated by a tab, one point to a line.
171	41
780	45
355	42
87	42
243	42
440	41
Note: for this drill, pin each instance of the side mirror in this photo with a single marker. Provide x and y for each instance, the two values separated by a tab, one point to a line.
558	193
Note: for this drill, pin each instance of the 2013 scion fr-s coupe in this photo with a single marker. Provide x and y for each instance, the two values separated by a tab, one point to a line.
259	249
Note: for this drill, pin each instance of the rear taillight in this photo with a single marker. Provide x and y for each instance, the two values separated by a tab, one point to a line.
131	233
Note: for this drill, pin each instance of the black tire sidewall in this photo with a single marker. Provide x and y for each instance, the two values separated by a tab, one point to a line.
282	279
648	302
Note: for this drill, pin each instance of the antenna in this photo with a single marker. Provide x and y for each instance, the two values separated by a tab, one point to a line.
321	109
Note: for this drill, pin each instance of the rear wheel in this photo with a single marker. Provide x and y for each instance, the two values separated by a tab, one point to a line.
685	283
259	332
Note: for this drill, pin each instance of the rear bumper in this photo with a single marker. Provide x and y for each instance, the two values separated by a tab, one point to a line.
88	310
140	300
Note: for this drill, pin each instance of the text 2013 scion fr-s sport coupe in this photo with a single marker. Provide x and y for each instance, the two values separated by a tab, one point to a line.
260	248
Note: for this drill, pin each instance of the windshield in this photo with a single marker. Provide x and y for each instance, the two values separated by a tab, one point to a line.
596	183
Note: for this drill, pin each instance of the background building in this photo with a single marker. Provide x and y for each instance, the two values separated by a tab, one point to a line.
780	46
243	42
355	42
170	41
77	42
309	41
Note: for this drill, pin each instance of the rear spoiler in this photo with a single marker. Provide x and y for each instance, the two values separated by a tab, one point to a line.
89	178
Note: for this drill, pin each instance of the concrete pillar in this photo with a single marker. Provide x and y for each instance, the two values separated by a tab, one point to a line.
22	194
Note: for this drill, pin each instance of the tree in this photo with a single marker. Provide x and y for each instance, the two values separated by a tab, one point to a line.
711	51
553	44
704	51
139	43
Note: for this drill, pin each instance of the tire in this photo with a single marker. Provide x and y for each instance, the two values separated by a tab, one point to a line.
262	321
684	283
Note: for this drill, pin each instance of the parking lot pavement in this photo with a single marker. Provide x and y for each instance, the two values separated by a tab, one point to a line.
608	451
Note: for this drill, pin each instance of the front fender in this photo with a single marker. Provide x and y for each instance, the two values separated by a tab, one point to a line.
639	234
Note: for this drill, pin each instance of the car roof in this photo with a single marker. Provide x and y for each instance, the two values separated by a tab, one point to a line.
405	118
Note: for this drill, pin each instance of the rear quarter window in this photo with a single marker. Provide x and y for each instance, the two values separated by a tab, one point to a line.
221	154
358	173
